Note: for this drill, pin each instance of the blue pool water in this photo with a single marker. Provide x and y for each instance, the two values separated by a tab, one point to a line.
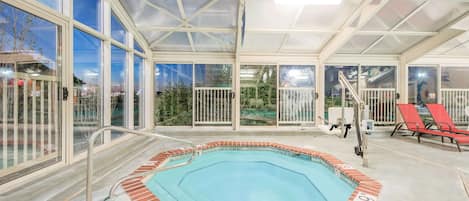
254	175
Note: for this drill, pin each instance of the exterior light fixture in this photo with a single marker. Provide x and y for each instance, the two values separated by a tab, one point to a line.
308	2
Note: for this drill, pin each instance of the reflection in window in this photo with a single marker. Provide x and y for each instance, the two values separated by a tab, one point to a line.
87	91
117	29
213	75
28	91
173	94
138	91
455	77
422	85
296	94
88	12
118	66
332	86
378	77
138	47
54	4
297	76
258	95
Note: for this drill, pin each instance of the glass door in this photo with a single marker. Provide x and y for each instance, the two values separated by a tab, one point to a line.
258	99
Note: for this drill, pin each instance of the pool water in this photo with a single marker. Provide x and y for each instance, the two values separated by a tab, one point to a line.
254	175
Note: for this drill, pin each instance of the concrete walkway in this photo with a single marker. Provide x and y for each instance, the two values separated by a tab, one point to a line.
408	171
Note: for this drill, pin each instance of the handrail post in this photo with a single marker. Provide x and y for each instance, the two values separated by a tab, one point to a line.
89	166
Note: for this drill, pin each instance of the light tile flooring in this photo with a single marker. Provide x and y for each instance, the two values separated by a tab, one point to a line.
408	171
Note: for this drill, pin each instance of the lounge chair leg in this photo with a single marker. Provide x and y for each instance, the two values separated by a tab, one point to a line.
452	141
418	137
396	128
459	148
442	139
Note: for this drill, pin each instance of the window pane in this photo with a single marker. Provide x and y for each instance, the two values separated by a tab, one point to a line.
118	66
297	76
88	12
173	98
86	88
29	81
117	29
258	95
54	4
378	77
422	85
332	88
213	75
138	91
455	77
138	47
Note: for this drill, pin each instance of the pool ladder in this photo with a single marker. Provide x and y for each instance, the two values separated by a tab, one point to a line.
89	168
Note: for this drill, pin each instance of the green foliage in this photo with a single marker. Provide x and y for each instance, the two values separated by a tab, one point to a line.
173	107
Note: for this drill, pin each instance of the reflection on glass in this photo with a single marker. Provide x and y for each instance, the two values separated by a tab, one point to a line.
54	4
213	75
88	12
29	111
87	94
378	77
258	95
117	29
213	94
455	77
138	47
296	94
422	85
297	76
118	107
332	87
138	91
173	94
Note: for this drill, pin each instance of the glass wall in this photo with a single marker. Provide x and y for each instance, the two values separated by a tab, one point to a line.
118	31
173	94
138	91
29	81
54	4
258	95
422	85
455	93
378	91
332	87
118	89
213	94
88	12
87	88
296	94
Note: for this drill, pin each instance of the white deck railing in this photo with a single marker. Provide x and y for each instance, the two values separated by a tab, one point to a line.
212	105
381	103
28	119
455	101
296	105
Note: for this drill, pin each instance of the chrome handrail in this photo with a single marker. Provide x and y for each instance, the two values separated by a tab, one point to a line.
92	139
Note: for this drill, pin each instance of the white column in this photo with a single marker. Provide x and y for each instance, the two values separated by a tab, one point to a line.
320	70
106	69
129	79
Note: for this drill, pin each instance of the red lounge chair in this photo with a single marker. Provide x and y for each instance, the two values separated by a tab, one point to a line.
415	124
443	120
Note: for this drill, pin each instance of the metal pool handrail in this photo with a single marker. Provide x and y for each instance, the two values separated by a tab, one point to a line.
92	139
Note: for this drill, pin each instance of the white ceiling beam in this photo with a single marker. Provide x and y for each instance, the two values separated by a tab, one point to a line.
184	17
427	45
401	22
286	35
359	18
184	22
187	29
239	27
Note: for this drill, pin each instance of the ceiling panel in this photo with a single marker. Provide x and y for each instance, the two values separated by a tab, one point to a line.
263	42
391	14
311	42
313	16
395	44
357	44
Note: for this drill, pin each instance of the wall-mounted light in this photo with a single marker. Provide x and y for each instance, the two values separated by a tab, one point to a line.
308	2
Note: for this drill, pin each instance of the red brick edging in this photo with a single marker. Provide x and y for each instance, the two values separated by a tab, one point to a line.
137	191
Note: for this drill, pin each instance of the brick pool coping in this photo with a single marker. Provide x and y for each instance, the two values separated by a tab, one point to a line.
366	186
